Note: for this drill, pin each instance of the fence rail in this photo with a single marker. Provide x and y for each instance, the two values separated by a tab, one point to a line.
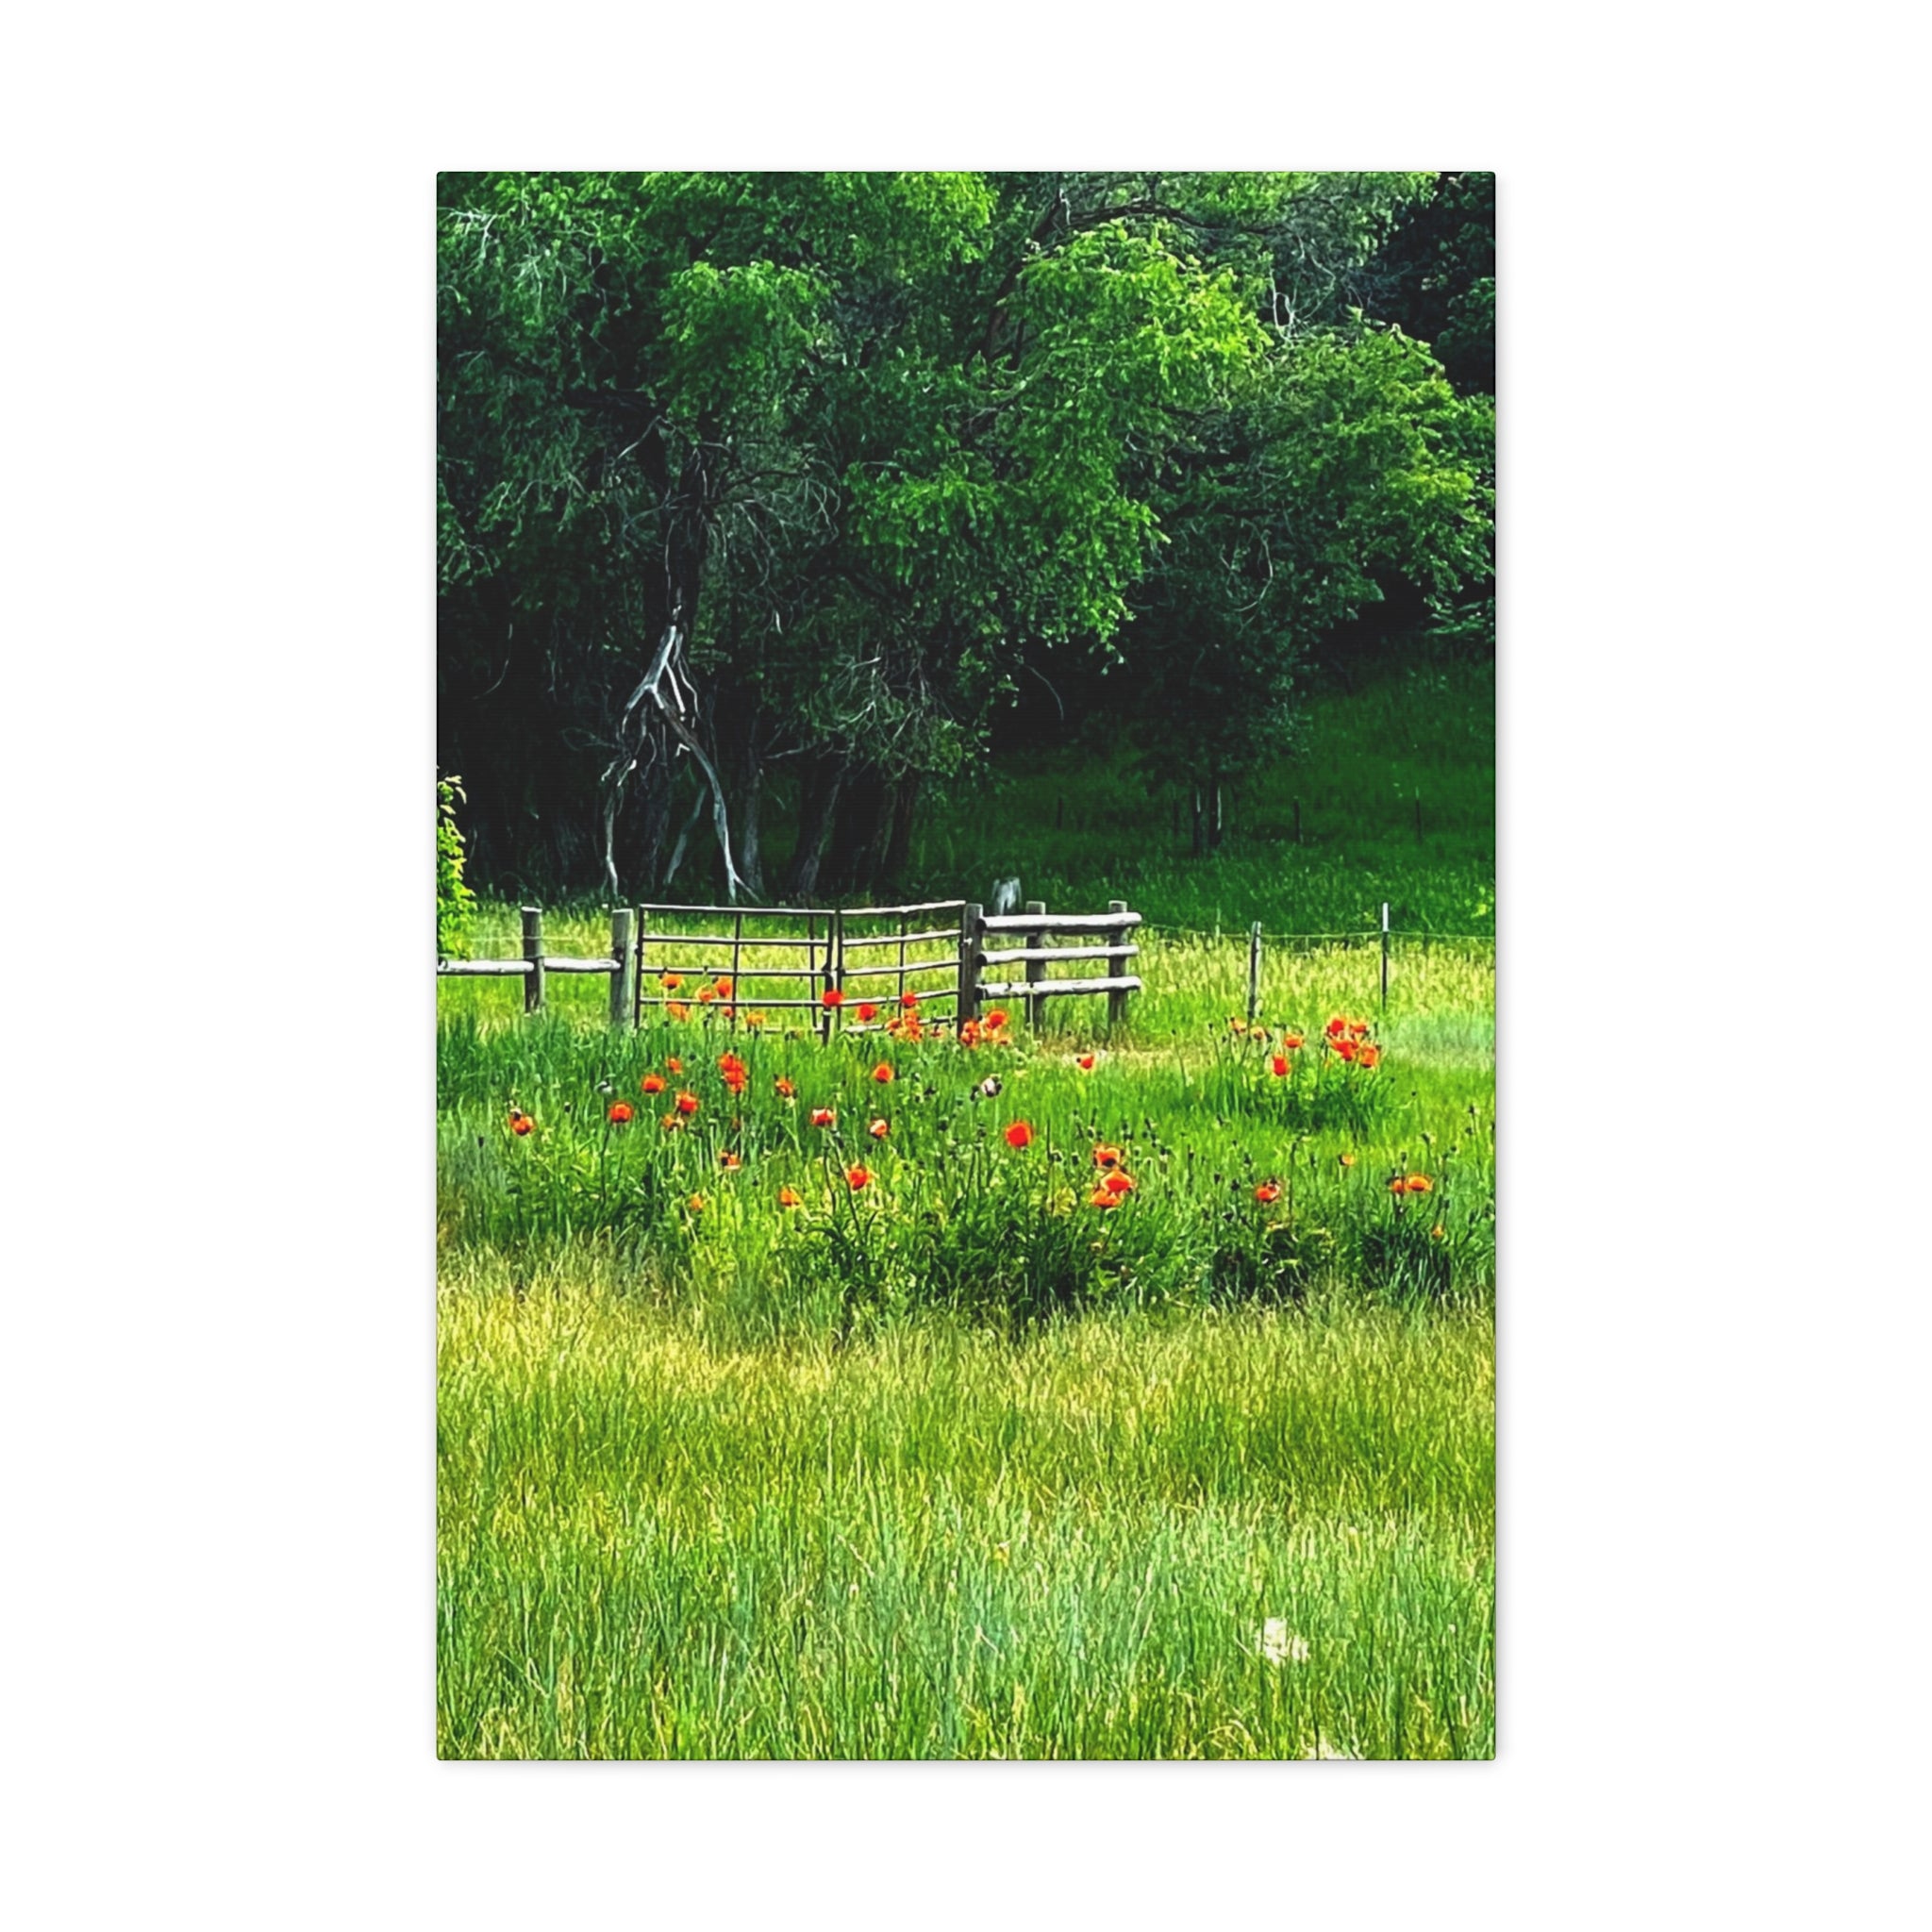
829	941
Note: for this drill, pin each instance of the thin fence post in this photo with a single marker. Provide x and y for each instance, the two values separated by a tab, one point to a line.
835	965
966	1003
1035	969
1253	971
1385	955
623	922
1117	998
905	926
636	977
737	948
533	951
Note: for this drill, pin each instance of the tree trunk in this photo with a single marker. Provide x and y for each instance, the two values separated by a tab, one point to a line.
1200	838
820	781
899	832
1215	825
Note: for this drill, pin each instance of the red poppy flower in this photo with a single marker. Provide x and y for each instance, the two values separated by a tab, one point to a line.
867	1014
520	1123
879	1130
908	1000
674	1065
786	1089
1279	1063
1105	1156
996	1019
856	1178
883	1073
620	1113
1420	1184
1290	1041
791	1197
1336	1027
730	1063
726	1159
1399	1184
652	1083
1119	1182
822	1117
1020	1135
723	989
832	998
1346	1049
687	1103
1359	1028
1085	1064
1268	1194
671	982
1101	1198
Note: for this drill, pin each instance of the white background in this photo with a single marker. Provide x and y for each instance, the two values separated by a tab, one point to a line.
218	738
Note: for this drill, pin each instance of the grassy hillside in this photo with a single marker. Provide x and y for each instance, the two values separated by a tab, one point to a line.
1078	828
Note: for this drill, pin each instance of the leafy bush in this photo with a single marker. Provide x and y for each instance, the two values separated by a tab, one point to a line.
456	905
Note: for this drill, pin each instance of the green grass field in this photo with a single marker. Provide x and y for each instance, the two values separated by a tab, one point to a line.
970	1456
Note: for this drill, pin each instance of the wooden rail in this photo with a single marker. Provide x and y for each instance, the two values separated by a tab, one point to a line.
636	959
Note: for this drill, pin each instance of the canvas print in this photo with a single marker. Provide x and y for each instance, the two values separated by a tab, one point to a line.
966	893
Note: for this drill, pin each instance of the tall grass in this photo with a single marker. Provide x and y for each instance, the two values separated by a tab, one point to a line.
1234	1537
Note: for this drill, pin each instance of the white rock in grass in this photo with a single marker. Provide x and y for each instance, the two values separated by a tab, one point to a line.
1280	1645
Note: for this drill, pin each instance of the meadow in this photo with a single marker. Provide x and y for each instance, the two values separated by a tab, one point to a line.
1057	1395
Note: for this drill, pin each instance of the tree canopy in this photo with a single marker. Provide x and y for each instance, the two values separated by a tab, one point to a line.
760	481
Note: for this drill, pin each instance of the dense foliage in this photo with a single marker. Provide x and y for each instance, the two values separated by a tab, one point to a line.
781	487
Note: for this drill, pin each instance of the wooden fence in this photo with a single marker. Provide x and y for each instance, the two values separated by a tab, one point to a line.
869	956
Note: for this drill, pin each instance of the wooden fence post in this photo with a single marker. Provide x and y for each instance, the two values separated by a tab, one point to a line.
835	965
623	922
1385	955
1035	969
966	1005
533	951
637	972
1253	971
1117	999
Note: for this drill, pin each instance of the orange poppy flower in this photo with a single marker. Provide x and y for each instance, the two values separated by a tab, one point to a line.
908	1000
1268	1194
671	982
1279	1063
730	1063
754	1019
1346	1159
723	989
1085	1062
652	1083
674	1065
677	1009
791	1197
786	1089
696	1204
1119	1182
1420	1184
1020	1135
868	1013
822	1117
1105	1156
673	1124
879	1130
620	1112
1399	1184
997	1018
856	1178
1439	1233
1290	1041
1346	1049
707	994
1336	1027
687	1103
969	1033
1359	1028
832	998
520	1123
1369	1056
883	1073
1101	1198
726	1159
